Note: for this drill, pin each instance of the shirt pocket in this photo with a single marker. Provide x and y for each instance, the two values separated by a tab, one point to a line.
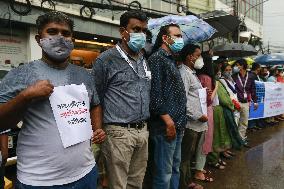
122	76
194	86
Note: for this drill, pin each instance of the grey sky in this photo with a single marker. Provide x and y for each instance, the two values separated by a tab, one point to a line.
273	24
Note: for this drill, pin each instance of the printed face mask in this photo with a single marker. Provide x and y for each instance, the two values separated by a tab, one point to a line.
57	47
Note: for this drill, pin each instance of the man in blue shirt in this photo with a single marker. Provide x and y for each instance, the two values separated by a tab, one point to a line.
168	108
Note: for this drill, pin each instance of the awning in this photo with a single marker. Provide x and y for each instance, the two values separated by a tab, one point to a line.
222	21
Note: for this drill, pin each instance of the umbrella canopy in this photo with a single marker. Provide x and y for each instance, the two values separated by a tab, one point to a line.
222	21
193	29
234	50
270	59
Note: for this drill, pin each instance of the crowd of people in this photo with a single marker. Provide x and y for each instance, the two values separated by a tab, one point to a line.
153	127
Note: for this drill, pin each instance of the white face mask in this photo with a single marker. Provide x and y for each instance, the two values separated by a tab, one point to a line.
199	63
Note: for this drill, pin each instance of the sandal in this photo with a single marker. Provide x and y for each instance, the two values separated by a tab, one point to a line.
206	179
226	155
207	172
218	166
221	162
194	186
230	153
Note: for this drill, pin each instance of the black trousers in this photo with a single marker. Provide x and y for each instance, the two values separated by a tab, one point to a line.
188	150
2	173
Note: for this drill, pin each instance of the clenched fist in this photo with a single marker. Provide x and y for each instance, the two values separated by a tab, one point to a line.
41	89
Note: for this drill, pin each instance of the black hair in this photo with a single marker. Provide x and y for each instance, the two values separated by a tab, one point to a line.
242	62
255	66
188	49
216	69
53	16
164	30
149	36
272	71
224	66
137	14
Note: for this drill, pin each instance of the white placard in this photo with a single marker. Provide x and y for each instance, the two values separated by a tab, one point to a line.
203	100
70	106
274	99
215	101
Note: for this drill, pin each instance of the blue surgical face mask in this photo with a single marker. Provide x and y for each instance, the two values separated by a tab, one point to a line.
137	41
236	69
177	45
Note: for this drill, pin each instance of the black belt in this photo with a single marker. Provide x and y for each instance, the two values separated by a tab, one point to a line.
139	125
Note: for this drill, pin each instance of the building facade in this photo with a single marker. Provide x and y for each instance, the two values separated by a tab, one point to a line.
96	26
200	6
250	11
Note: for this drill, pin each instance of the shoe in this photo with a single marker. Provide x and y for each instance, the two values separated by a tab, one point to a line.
258	128
250	130
246	145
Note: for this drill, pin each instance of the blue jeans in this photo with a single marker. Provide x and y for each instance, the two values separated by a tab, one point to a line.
87	182
167	157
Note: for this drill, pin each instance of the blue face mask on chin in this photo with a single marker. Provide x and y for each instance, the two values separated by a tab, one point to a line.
177	45
137	41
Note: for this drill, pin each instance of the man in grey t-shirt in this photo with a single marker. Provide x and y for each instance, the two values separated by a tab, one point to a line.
24	95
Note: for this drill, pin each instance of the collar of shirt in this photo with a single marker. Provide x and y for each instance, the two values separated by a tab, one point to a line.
140	55
189	69
164	52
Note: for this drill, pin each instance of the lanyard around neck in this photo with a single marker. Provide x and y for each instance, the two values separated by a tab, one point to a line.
125	57
243	84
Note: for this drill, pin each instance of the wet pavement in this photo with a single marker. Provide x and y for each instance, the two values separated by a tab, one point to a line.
260	167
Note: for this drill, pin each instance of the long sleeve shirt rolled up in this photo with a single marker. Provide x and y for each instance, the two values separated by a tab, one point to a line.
193	106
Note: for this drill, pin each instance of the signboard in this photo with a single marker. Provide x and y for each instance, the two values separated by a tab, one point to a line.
13	51
270	99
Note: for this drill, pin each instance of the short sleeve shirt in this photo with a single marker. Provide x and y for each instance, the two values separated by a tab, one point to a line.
42	159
